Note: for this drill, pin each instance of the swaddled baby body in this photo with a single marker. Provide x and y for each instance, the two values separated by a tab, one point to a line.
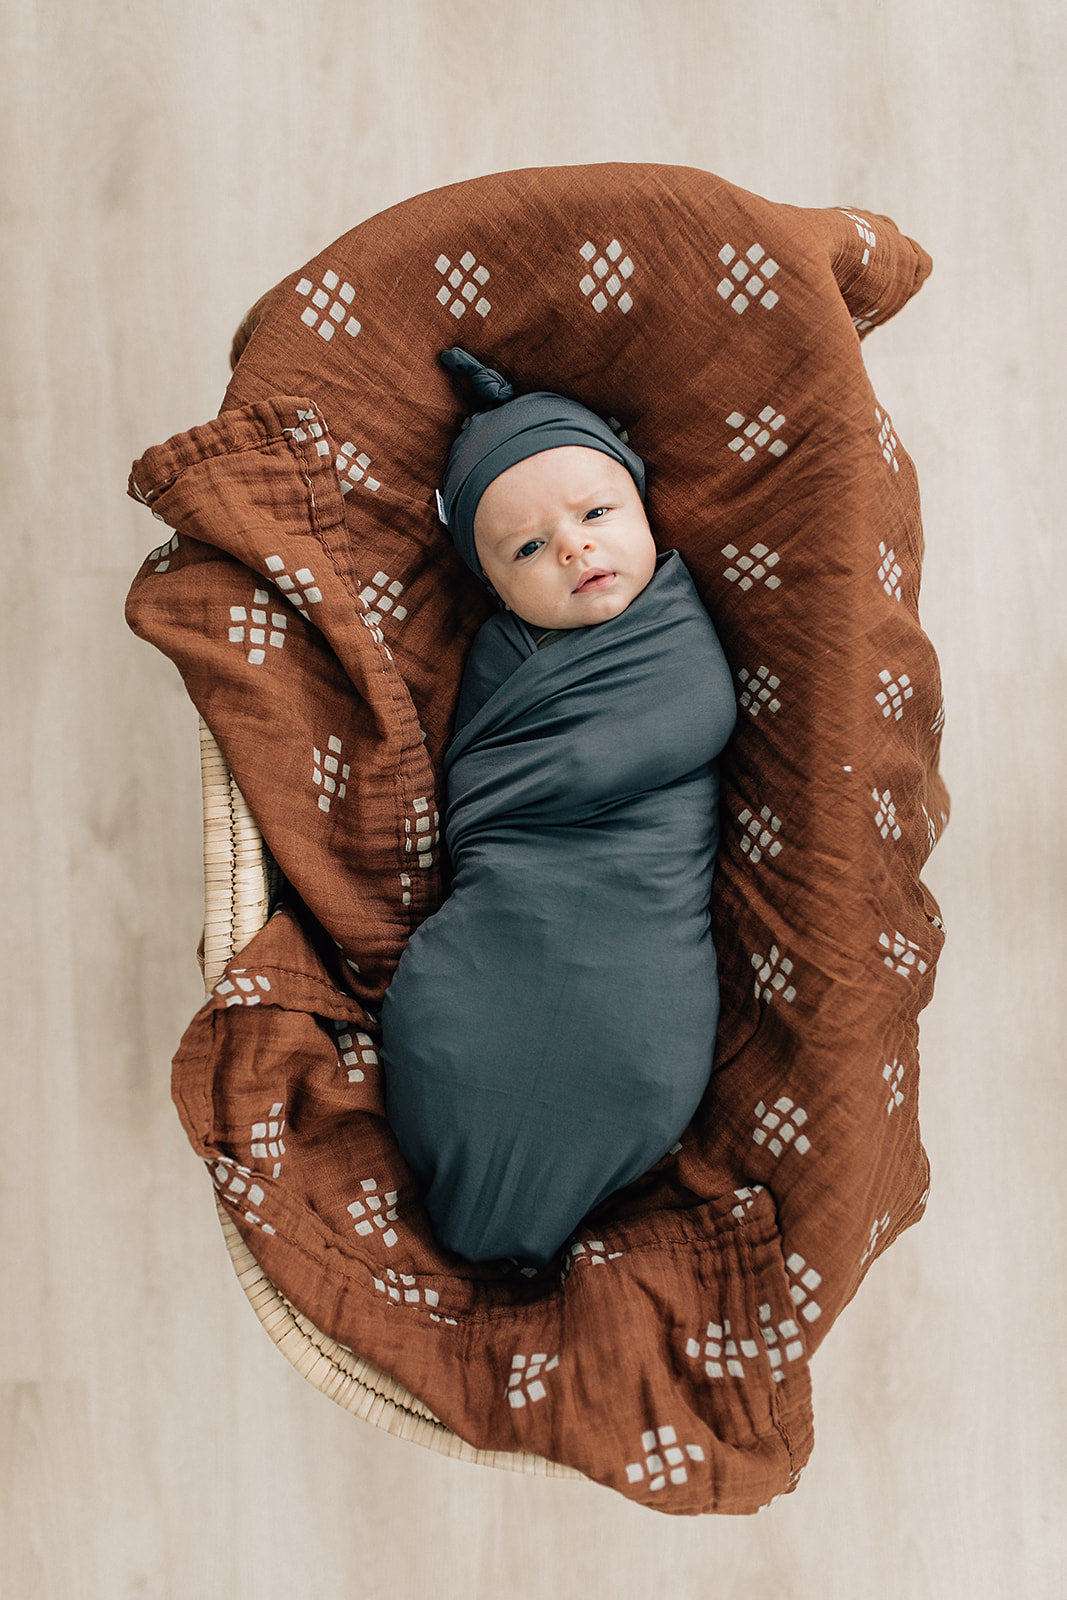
550	1030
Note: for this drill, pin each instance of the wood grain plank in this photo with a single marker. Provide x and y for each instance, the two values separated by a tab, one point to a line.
166	163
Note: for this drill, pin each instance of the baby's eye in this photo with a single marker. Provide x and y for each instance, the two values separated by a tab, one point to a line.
597	511
528	548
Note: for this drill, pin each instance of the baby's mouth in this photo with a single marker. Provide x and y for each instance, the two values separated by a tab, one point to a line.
596	578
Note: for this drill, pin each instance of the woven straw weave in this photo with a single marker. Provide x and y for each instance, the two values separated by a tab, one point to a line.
240	881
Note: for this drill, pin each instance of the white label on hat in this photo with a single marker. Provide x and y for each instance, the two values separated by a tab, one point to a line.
441	508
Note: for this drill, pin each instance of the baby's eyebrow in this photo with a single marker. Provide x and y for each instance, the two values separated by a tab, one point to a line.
536	530
517	536
598	494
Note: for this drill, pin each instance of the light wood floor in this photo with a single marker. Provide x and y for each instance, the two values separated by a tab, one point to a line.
164	162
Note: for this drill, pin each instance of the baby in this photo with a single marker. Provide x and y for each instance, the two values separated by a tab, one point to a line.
549	1032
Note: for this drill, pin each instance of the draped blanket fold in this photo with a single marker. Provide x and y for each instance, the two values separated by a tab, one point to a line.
550	1030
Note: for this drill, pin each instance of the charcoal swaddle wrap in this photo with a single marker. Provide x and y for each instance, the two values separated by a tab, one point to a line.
550	1030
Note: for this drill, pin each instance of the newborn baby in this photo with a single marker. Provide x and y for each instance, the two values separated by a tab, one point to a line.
549	1032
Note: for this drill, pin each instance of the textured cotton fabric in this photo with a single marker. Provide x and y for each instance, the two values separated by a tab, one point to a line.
549	1032
320	617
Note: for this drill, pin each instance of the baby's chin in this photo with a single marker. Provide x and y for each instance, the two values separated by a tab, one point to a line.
582	610
603	605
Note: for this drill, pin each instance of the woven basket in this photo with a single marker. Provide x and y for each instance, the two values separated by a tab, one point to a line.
240	881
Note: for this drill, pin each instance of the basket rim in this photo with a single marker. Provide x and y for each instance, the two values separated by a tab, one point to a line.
240	881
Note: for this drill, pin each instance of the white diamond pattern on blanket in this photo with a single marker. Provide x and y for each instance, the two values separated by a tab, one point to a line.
746	1199
748	278
885	815
608	273
237	1185
161	556
353	469
939	719
760	833
259	627
862	323
422	830
878	1228
374	1210
773	972
355	1051
402	1289
664	1459
755	567
901	955
783	1341
805	1281
299	588
780	1126
887	439
314	430
239	988
139	494
462	284
757	433
889	572
329	305
894	692
526	1380
330	773
376	633
866	232
724	1355
267	1138
893	1072
933	832
380	596
760	689
589	1253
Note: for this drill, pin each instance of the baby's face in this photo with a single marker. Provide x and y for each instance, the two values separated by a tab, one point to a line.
563	538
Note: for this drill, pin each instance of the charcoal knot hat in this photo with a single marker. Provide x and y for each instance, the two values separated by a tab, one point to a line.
509	429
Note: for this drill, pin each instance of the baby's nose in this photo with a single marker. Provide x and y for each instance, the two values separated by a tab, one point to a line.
572	542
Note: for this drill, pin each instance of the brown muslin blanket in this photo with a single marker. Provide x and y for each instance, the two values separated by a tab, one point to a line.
320	619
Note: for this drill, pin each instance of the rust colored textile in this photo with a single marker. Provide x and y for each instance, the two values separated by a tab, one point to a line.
320	618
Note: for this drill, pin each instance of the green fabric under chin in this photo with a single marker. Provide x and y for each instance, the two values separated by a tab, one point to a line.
547	636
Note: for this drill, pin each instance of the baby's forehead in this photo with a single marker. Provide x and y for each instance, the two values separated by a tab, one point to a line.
573	455
568	467
536	487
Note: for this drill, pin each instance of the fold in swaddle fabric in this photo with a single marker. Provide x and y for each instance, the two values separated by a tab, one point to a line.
550	1030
